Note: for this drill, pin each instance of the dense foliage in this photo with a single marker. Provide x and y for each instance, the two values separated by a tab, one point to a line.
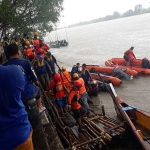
138	9
19	16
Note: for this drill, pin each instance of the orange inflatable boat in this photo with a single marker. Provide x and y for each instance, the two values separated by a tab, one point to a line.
108	79
109	70
135	65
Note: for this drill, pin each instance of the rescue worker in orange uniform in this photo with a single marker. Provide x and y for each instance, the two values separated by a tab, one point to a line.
29	51
36	41
74	105
57	89
66	79
83	93
44	46
129	56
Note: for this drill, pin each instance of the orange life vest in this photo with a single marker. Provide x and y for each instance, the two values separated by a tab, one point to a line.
73	100
36	42
82	89
65	75
29	52
129	53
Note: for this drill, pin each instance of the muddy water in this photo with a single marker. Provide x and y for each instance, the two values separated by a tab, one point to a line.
95	43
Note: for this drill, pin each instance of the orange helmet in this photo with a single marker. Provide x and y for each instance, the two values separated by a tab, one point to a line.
57	76
63	68
78	83
75	75
27	43
36	33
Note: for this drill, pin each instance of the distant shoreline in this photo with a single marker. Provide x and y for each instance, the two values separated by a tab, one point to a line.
139	10
89	22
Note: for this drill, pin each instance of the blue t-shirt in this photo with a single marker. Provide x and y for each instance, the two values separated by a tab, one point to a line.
30	89
14	124
25	65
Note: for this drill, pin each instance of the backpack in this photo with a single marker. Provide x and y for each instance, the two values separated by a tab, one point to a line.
145	63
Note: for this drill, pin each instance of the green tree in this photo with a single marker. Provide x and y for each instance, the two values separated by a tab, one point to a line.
138	8
19	16
116	15
128	13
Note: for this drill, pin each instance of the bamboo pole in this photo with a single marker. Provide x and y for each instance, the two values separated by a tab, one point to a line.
108	125
61	134
112	124
93	129
108	137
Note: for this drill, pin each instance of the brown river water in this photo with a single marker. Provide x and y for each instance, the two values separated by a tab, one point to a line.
96	43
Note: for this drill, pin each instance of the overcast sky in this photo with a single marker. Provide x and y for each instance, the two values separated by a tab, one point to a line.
84	10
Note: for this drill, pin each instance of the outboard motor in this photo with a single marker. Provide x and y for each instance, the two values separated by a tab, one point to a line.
93	87
33	113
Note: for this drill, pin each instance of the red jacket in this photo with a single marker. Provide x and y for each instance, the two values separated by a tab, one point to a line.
45	47
129	53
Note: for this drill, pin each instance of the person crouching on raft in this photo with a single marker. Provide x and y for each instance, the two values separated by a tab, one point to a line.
129	56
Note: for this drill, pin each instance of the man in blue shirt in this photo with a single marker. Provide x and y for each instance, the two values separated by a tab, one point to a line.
31	91
43	71
15	129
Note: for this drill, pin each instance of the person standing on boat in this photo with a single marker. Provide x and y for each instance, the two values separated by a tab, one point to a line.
30	90
66	79
51	61
76	69
83	93
57	89
15	128
43	71
85	74
129	56
74	105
